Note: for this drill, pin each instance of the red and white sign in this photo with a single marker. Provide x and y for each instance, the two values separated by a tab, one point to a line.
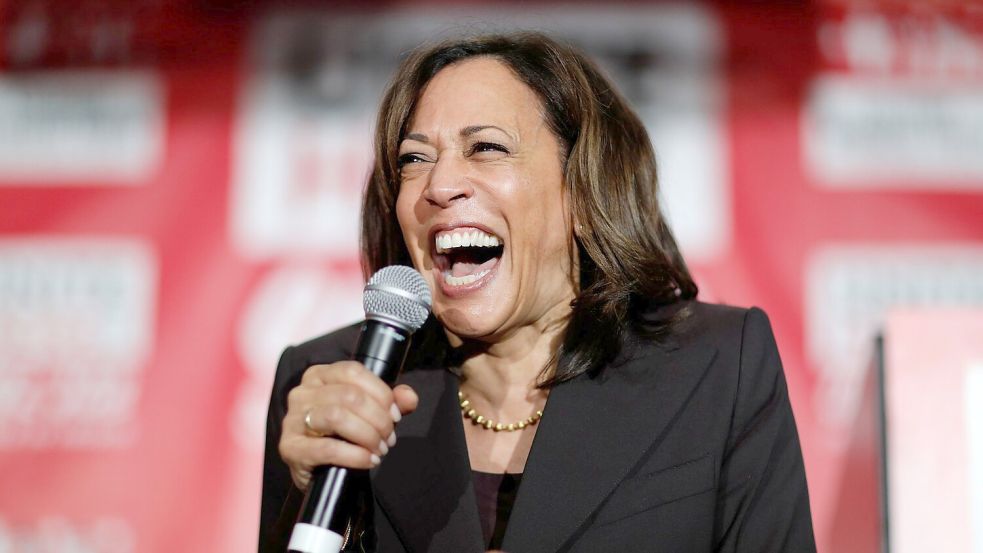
179	194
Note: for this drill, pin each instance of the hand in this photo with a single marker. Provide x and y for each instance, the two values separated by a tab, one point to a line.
352	415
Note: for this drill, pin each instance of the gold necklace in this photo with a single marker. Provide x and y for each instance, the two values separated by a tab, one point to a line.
488	424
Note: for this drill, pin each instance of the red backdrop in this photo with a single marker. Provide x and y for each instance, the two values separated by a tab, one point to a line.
178	192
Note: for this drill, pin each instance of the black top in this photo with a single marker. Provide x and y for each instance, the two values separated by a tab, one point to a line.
495	494
687	442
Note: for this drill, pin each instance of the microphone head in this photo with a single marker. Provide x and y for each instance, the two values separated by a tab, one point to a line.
397	295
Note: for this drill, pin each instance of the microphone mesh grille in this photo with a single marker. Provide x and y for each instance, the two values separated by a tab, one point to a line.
394	305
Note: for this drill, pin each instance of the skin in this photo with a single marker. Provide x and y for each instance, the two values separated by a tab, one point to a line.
507	176
477	152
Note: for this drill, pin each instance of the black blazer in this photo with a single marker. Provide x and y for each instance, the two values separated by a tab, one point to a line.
684	445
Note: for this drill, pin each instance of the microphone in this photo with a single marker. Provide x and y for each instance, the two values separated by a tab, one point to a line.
397	303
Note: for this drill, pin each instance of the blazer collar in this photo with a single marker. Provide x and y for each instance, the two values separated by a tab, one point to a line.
604	424
424	483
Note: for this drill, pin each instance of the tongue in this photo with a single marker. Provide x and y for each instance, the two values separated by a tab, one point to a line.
464	268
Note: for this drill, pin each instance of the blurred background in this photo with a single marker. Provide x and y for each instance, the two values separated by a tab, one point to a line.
179	194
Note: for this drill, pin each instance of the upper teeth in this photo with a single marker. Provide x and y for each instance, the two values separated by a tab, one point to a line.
465	239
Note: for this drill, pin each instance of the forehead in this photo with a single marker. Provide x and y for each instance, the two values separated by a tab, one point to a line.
480	90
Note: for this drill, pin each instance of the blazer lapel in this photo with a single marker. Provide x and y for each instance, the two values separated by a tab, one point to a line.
604	425
424	484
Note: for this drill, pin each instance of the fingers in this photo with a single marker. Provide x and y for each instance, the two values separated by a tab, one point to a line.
350	372
303	455
341	414
301	478
338	410
352	418
406	399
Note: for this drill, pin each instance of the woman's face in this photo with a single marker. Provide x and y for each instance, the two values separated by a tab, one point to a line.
482	204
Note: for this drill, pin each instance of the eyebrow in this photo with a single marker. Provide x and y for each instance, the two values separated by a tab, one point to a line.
473	129
465	132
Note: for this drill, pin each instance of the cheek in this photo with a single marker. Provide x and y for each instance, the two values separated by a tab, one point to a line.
545	218
408	201
405	212
407	224
414	233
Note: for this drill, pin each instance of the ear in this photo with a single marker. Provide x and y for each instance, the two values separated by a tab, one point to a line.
578	227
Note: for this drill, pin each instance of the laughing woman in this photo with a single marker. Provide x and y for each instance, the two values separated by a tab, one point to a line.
569	392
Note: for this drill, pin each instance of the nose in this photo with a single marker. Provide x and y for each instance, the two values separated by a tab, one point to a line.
448	182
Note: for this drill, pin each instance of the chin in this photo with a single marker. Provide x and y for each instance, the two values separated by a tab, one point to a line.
469	320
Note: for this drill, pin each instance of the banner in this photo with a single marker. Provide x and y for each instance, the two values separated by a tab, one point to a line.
179	193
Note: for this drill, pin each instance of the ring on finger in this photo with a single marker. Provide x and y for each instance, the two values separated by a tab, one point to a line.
310	427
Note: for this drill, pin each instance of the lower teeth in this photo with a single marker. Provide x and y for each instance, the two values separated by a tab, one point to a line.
462	280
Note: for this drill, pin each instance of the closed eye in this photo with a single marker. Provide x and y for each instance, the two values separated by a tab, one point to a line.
479	147
407	159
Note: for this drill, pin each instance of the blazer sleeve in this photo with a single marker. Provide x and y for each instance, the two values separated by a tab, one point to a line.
281	499
763	502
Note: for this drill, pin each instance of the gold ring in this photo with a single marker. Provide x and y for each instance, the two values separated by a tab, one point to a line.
307	423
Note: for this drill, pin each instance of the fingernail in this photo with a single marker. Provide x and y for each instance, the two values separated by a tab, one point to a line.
375	460
394	411
383	447
391	440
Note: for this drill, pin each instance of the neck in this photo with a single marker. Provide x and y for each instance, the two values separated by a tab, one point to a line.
505	373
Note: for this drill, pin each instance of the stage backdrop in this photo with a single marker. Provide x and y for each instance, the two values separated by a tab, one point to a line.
179	189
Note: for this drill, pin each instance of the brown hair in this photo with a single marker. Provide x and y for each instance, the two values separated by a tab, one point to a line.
629	261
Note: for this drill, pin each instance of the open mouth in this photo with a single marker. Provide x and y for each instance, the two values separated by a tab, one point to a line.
466	255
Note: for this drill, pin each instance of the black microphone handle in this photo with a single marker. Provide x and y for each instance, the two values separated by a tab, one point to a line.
332	495
382	349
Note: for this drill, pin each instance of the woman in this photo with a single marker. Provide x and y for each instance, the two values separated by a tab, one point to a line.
569	393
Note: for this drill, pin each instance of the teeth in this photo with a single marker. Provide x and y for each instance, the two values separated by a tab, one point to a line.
466	279
475	238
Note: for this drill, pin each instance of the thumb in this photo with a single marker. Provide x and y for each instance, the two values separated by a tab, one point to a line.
405	398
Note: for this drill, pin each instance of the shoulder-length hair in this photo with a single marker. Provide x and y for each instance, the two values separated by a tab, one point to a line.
628	259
